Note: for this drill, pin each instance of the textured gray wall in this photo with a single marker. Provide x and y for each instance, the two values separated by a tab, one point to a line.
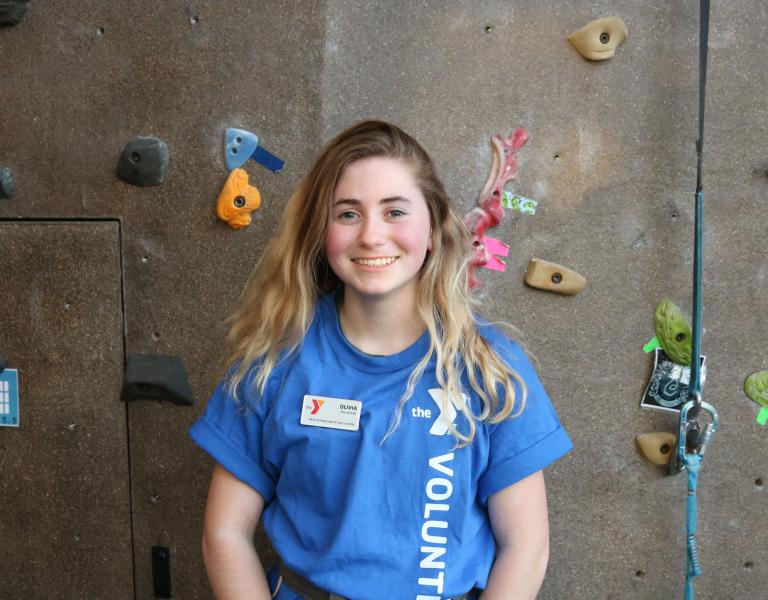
611	160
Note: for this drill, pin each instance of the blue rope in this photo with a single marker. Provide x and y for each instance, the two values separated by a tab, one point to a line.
695	385
692	465
692	460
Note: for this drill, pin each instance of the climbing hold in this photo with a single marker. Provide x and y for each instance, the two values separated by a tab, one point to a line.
599	39
495	248
144	162
7	189
156	377
756	387
489	212
673	331
12	11
237	200
240	145
553	278
657	447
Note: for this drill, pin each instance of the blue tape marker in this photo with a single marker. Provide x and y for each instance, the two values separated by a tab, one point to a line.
269	160
9	398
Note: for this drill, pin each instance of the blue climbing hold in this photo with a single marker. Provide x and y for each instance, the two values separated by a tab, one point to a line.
240	145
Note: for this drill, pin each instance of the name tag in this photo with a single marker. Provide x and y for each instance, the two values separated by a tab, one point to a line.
334	413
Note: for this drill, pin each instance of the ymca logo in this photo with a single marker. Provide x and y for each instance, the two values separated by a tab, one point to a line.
316	405
446	411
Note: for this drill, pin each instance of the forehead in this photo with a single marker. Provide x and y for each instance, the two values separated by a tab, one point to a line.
377	177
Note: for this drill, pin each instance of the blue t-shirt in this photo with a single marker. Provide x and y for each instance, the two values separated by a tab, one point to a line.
403	519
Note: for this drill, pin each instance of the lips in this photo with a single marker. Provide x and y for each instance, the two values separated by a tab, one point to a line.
375	262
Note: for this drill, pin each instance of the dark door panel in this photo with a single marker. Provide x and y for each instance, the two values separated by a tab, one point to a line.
65	530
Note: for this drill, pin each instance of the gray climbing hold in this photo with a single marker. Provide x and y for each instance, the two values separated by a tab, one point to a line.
144	161
7	190
12	12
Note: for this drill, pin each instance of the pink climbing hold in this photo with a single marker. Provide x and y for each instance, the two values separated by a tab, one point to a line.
496	248
489	211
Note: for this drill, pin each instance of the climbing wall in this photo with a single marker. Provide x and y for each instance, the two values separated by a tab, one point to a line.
611	161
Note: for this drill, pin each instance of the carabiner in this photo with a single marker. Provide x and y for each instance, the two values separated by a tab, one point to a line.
690	424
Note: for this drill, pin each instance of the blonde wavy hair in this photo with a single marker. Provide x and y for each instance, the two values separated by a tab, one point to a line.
278	303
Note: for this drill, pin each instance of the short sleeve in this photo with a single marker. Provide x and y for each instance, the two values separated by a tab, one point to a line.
232	434
521	445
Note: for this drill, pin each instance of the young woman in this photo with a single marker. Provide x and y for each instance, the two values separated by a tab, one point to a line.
392	441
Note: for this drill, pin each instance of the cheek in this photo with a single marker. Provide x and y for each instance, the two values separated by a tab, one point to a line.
416	239
335	242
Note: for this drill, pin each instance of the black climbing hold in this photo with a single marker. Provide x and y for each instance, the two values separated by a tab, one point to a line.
156	377
161	571
2	363
7	190
144	162
12	12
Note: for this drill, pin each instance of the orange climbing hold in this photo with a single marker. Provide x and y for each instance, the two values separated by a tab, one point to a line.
237	200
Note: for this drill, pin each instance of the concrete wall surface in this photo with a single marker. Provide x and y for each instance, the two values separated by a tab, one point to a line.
611	160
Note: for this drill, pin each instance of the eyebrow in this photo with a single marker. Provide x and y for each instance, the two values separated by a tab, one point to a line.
356	202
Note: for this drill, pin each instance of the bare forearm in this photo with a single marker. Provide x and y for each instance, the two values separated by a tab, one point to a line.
234	568
517	574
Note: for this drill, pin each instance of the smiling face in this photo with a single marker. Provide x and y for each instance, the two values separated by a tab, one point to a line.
379	230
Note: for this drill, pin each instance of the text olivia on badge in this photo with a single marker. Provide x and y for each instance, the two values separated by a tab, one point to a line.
333	413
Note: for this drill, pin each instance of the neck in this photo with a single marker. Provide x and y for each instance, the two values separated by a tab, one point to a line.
380	326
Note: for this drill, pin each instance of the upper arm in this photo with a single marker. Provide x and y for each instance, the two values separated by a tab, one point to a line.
519	512
232	506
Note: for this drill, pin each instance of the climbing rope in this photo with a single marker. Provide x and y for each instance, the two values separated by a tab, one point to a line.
693	437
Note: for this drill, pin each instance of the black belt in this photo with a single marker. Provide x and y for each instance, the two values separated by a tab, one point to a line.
304	587
309	591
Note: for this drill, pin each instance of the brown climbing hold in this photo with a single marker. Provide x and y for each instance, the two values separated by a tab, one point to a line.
553	278
599	39
657	447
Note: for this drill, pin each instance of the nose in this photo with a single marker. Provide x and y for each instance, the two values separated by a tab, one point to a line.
372	232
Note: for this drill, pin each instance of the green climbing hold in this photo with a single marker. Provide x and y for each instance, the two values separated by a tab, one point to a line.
673	331
756	387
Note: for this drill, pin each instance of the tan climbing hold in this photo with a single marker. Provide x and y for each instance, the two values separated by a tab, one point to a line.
657	447
599	39
553	278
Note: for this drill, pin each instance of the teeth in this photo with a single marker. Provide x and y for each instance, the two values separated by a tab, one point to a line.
375	262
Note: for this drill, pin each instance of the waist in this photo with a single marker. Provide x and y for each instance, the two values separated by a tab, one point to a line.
309	591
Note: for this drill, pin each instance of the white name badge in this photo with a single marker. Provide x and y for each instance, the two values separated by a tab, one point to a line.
335	413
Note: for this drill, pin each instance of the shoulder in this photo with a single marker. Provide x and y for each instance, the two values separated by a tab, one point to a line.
511	351
247	393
